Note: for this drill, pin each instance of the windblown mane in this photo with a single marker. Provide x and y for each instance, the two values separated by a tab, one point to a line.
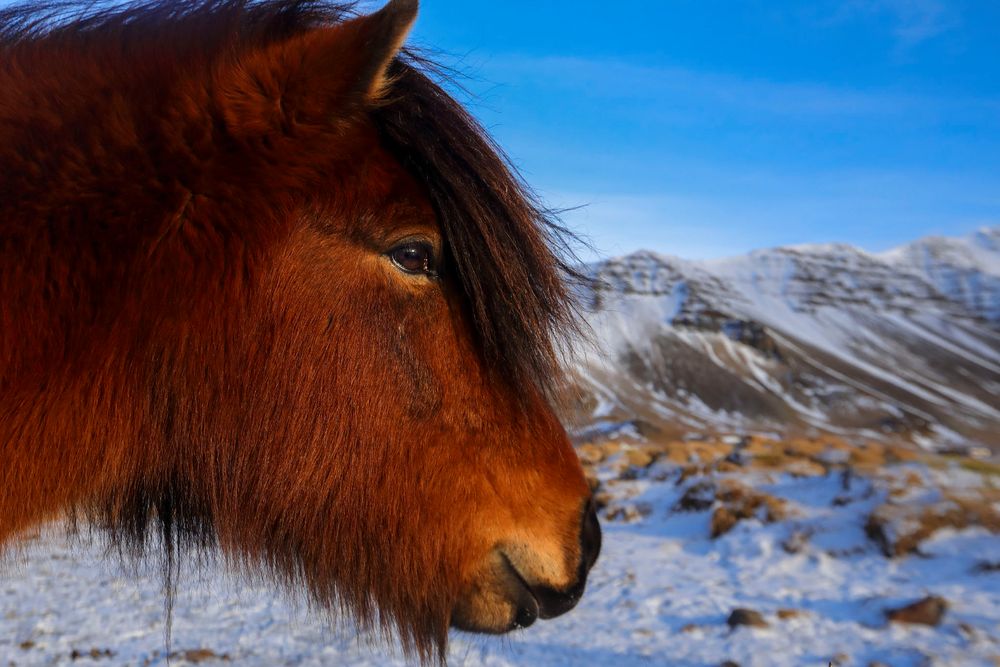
510	254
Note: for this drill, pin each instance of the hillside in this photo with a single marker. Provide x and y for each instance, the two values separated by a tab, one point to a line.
902	345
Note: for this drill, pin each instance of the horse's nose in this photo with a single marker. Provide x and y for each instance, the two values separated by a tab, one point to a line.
553	602
516	584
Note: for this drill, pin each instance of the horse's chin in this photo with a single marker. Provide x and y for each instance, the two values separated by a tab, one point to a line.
497	601
500	600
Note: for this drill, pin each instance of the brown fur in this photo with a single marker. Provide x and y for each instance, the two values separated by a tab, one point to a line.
200	332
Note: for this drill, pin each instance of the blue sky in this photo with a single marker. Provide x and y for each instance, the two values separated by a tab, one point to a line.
708	127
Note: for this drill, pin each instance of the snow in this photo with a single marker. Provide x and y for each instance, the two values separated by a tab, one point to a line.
660	594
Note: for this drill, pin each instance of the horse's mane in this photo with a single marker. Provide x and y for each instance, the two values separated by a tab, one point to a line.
509	254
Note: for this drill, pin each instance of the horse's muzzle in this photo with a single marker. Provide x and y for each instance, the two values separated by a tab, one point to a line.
519	583
548	602
544	601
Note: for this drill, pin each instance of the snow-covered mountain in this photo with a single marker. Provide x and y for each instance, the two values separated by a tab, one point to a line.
820	338
966	269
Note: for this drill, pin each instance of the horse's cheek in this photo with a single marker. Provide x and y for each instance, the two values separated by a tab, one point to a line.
419	388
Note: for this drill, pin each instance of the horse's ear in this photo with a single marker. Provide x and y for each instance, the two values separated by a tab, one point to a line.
315	77
379	38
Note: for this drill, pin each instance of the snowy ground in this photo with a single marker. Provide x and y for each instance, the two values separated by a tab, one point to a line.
660	594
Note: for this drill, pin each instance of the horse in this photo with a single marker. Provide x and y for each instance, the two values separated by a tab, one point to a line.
268	291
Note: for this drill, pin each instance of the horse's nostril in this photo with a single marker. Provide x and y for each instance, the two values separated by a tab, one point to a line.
590	537
526	616
552	603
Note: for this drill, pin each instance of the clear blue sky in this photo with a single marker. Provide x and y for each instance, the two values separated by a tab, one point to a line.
709	127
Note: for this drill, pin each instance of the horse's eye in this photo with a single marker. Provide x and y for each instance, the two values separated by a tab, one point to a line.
414	257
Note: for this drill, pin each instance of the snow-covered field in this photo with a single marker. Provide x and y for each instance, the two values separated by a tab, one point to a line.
660	594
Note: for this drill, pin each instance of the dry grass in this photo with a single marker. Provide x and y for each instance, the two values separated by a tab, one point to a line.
900	529
985	468
804	456
899	526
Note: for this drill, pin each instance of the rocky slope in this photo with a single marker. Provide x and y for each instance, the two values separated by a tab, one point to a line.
805	339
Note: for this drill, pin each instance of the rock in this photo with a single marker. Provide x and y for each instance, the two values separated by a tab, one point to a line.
729	663
742	616
840	659
629	473
927	611
723	521
197	655
735	458
698	497
94	654
968	630
896	529
987	566
786	614
842	500
796	542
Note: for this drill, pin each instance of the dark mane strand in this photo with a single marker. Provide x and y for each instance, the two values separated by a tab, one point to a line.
511	255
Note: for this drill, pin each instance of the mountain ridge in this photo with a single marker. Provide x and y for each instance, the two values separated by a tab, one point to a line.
903	344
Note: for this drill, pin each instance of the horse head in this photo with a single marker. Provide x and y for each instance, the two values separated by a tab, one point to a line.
268	288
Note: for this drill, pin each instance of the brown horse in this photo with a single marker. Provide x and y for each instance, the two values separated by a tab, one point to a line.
267	289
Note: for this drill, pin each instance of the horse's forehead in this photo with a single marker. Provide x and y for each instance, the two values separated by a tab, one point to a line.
384	203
